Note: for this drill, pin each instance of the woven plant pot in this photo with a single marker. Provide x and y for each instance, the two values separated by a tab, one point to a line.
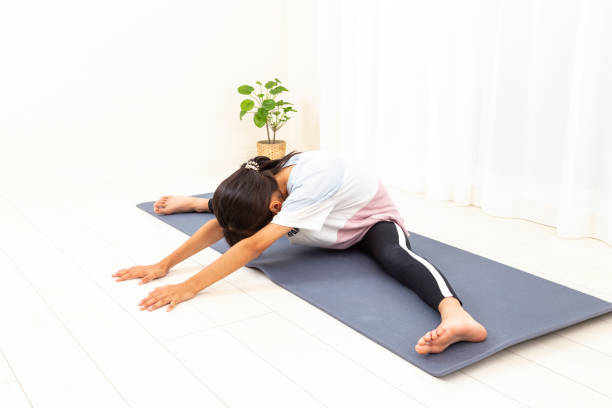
272	150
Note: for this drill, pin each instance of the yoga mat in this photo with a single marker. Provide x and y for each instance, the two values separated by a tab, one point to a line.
513	305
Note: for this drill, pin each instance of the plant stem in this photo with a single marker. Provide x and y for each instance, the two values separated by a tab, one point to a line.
268	131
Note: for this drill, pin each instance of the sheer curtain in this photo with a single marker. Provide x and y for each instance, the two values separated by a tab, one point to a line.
506	104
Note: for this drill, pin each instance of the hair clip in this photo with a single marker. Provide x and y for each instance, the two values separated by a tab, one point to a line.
251	164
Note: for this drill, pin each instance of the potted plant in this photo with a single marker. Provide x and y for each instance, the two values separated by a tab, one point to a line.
269	112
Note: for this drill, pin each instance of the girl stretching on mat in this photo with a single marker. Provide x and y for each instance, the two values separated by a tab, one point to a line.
315	198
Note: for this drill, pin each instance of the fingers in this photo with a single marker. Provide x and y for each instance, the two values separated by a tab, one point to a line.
130	273
153	304
147	273
170	295
157	303
122	278
147	278
124	274
156	299
119	272
148	301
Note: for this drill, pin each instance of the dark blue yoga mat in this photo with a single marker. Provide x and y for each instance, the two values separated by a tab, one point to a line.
513	305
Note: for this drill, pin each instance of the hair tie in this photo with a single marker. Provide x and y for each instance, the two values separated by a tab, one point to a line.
251	164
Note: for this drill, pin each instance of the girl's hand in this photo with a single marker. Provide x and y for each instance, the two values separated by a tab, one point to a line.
172	294
147	273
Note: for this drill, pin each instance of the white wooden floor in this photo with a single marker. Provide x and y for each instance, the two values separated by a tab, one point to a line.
70	336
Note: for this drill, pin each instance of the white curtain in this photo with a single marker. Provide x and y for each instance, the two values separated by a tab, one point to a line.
506	104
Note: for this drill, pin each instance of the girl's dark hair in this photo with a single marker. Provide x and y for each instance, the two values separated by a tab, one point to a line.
241	202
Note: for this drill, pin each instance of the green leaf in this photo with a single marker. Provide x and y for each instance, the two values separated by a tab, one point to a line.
258	83
270	84
245	89
260	119
268	104
278	90
260	95
242	113
277	80
247	104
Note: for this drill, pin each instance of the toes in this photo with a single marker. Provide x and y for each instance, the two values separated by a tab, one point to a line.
434	335
422	349
162	200
428	349
427	337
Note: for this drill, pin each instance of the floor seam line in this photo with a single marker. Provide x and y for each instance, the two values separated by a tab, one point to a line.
15	376
63	324
153	336
116	302
216	326
582	344
336	350
495	389
561	375
272	366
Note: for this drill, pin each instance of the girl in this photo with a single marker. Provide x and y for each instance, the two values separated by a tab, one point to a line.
316	198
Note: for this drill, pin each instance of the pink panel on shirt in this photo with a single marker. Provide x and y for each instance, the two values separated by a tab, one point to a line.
379	208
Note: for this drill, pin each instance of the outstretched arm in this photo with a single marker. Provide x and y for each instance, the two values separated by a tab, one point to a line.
207	235
234	258
204	237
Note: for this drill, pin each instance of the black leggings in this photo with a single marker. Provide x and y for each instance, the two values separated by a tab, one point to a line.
386	242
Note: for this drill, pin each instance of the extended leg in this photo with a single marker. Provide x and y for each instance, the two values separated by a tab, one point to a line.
176	204
389	246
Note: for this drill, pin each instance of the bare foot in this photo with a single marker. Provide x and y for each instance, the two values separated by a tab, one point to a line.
457	325
176	204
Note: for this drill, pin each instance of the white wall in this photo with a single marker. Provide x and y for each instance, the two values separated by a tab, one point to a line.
302	59
97	91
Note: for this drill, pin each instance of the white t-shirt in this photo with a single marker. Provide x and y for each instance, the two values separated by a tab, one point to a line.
333	201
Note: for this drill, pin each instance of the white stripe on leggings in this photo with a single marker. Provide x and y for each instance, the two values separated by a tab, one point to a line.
439	279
